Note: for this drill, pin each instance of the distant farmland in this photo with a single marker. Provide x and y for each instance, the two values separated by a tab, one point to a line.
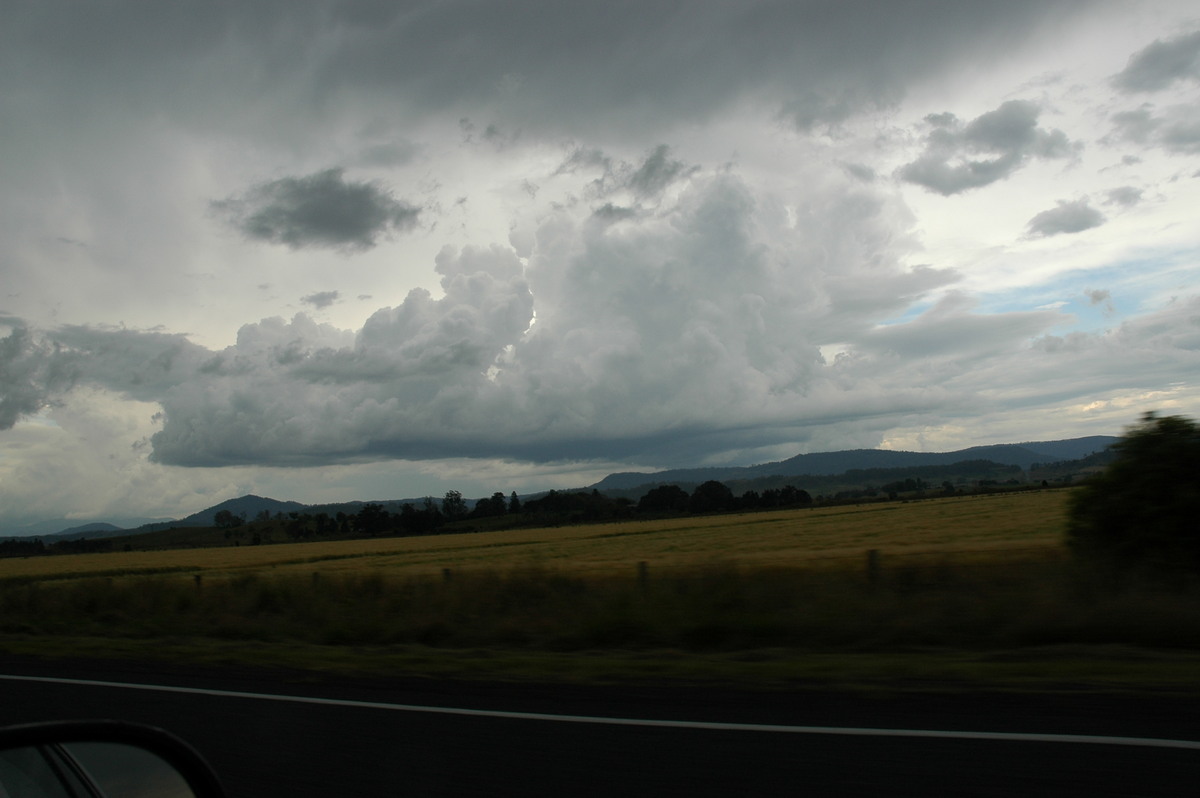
959	529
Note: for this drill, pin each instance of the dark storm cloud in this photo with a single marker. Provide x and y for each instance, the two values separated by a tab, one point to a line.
609	212
1180	131
657	172
321	299
387	154
319	210
861	171
626	68
1068	217
31	373
1160	64
585	158
1176	128
143	364
36	369
639	181
628	65
1125	196
1136	126
990	147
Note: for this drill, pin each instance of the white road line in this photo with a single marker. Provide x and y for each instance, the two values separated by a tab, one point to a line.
669	724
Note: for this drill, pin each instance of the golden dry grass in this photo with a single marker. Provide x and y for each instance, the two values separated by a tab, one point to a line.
971	591
991	527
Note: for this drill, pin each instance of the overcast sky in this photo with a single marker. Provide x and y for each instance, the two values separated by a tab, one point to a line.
325	250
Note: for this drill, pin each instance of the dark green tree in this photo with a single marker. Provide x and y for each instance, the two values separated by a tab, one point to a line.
485	508
454	505
790	495
664	499
419	520
372	520
1143	512
711	497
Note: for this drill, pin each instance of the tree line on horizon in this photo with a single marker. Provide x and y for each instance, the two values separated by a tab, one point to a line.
456	514
424	515
453	513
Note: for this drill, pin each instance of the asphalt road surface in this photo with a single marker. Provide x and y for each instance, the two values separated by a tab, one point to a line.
386	738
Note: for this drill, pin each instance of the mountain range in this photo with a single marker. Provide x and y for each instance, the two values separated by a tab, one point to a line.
1021	455
831	463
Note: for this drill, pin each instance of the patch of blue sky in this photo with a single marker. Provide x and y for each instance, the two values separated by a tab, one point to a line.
1091	300
1097	299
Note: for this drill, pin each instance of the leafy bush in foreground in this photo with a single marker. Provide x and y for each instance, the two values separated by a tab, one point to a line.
1143	513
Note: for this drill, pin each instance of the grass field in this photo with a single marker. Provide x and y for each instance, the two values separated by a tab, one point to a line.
959	591
962	528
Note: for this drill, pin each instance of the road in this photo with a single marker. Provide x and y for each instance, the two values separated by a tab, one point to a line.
382	738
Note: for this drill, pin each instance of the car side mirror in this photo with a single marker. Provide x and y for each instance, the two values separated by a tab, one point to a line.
111	759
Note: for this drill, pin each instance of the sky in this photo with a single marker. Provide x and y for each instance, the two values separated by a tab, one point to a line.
325	251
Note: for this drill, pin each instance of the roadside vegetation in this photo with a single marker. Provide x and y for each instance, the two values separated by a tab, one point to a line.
962	591
948	602
1141	516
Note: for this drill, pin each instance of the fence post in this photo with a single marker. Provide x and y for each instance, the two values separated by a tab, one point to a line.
198	580
643	574
873	567
445	574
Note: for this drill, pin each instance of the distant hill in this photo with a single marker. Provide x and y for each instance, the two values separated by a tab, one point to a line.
1022	455
246	507
758	477
97	530
59	528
